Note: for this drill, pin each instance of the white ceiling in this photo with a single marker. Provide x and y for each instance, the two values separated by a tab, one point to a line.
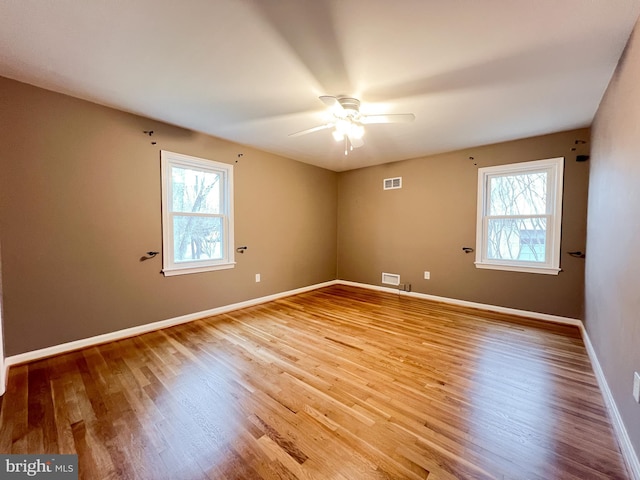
472	71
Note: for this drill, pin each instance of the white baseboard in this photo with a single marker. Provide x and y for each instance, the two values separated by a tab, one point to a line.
149	327
464	303
624	442
626	447
630	457
4	370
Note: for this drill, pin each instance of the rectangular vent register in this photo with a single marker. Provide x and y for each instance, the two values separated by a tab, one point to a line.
392	183
391	279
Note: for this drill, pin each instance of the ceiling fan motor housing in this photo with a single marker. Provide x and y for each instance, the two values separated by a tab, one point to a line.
351	106
348	123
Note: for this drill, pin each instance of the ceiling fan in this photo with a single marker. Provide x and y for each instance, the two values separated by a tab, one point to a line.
348	123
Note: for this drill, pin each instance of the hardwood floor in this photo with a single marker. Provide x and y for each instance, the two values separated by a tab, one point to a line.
337	383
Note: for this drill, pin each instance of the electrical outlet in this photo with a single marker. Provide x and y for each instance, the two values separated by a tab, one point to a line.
636	386
257	278
427	275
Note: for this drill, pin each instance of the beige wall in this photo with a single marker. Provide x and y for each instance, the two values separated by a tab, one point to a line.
80	204
80	192
424	226
613	261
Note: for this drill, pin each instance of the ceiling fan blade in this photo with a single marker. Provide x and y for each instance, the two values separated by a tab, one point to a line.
311	130
355	142
389	118
329	101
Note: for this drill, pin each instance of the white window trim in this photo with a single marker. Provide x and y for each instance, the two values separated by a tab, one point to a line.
170	268
555	166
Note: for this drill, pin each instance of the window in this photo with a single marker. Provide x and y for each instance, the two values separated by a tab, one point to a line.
520	216
197	214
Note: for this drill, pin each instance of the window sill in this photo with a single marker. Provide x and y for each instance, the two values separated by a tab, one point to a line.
170	272
519	268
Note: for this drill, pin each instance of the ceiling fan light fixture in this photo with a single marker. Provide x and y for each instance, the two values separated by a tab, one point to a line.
347	128
347	123
343	126
356	131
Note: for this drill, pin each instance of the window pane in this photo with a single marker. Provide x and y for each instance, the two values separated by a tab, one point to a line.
518	194
517	239
195	191
197	238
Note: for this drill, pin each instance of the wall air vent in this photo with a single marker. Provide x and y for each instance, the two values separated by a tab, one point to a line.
392	183
391	278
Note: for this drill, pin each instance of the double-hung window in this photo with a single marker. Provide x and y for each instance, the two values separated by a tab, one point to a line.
197	214
520	216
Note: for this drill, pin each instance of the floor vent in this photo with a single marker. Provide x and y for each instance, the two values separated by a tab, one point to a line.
392	183
391	279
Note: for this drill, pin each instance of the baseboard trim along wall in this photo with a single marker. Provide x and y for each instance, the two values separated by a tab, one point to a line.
139	330
464	303
150	327
626	447
630	457
4	370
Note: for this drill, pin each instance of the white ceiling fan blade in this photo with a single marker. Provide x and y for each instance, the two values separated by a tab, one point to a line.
389	118
311	130
355	142
329	101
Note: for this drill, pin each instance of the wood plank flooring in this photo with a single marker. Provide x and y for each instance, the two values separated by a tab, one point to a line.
337	383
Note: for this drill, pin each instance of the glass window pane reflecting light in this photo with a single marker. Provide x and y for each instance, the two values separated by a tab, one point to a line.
195	191
197	238
517	239
524	194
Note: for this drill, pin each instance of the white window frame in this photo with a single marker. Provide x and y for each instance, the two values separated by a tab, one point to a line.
169	266
555	172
